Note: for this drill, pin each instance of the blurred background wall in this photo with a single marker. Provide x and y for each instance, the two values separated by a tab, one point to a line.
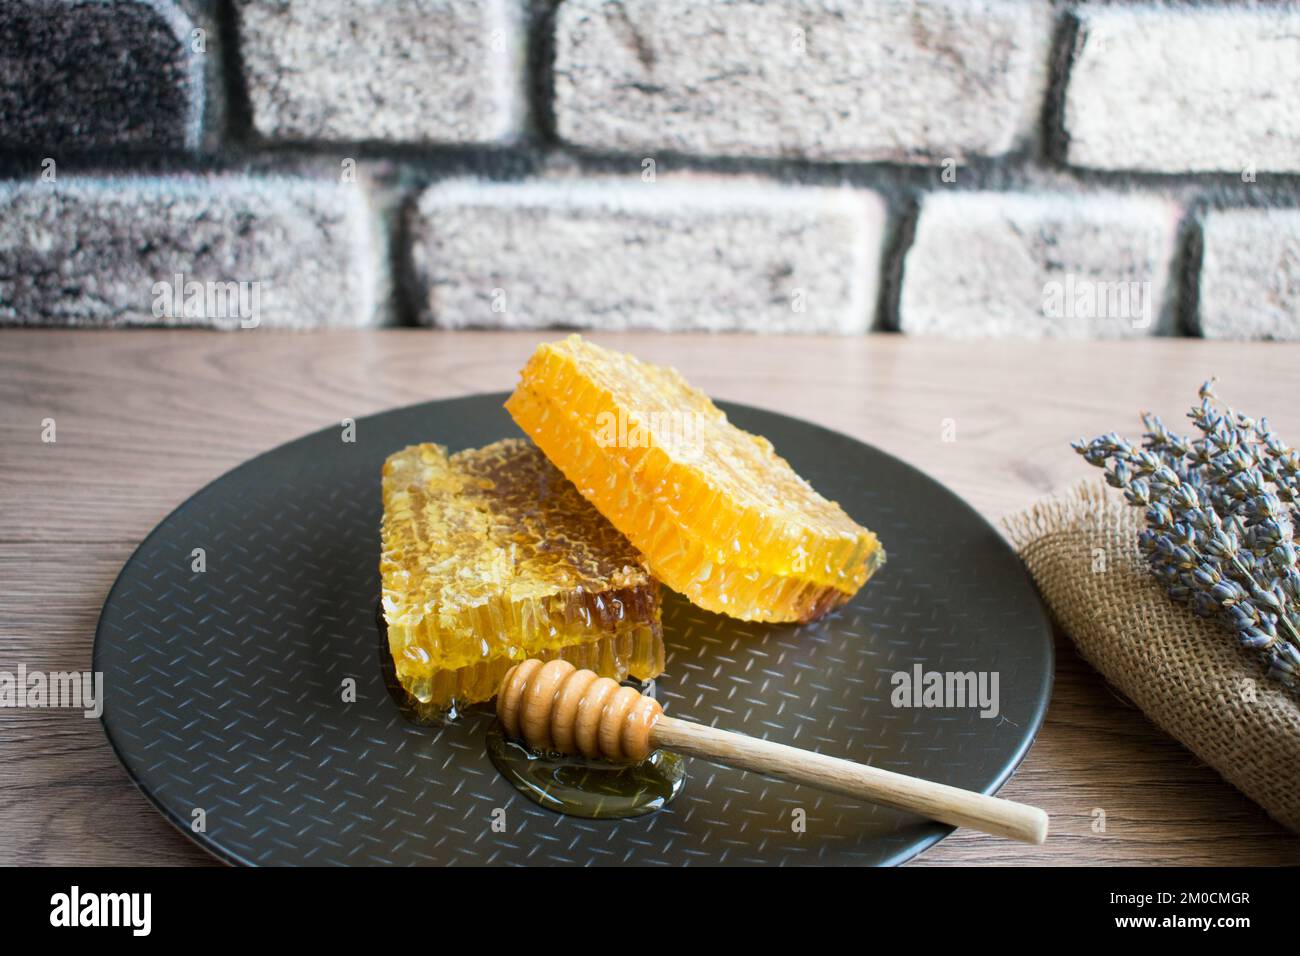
954	167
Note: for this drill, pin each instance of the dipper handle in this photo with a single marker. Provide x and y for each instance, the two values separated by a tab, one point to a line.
555	707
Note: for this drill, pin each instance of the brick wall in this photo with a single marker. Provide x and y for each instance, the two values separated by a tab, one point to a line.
953	167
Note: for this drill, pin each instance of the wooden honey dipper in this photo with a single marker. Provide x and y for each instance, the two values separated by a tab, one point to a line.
554	707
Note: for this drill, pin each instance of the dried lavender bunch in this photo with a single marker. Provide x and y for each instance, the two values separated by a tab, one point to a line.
1221	513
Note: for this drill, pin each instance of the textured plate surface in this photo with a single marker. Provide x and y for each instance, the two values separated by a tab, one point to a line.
224	688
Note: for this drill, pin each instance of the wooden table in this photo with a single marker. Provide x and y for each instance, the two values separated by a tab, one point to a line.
144	418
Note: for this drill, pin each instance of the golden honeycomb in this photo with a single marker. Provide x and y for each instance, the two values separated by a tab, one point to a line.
717	515
491	556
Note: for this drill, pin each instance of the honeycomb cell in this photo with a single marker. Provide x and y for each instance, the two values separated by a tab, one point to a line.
714	511
491	556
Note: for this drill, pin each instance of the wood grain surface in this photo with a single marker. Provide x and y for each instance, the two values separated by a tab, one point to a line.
145	418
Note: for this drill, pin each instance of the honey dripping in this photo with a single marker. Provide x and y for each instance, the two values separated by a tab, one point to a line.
469	690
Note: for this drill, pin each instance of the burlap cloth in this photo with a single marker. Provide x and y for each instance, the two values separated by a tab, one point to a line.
1190	676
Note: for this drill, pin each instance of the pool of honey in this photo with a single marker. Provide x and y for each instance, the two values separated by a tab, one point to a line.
572	785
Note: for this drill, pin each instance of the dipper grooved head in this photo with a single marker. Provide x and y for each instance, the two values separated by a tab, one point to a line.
555	707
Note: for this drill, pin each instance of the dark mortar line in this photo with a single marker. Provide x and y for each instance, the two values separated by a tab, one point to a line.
238	117
408	296
1015	172
540	71
1067	33
1189	275
900	230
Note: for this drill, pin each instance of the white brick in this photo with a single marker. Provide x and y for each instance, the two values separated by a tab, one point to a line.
1174	90
393	70
693	254
822	79
100	251
1250	274
1032	265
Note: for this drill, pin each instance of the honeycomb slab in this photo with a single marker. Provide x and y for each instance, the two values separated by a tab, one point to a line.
717	515
490	556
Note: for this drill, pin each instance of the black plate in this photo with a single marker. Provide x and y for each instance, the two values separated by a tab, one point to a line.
223	688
